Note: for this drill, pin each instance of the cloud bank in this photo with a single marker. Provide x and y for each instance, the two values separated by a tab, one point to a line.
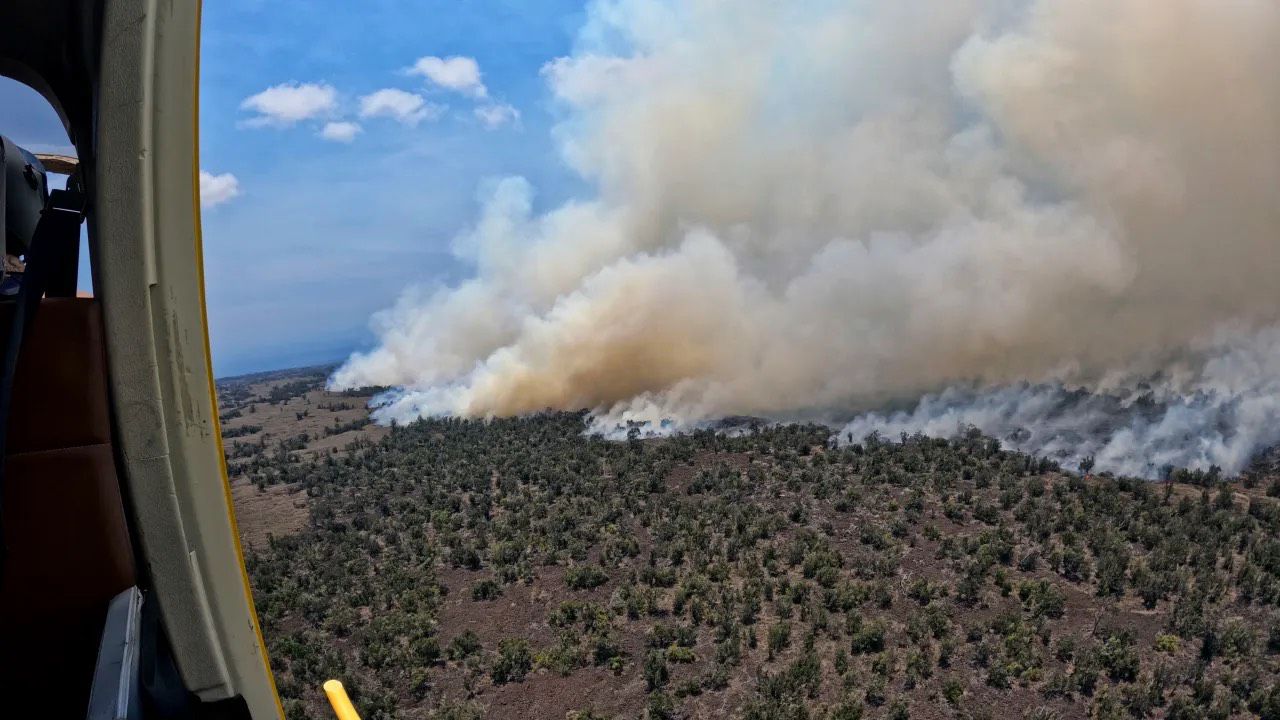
810	210
288	104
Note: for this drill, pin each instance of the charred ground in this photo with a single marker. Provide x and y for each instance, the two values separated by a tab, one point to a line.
519	569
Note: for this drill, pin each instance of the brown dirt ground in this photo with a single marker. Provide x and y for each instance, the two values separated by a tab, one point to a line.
278	510
281	510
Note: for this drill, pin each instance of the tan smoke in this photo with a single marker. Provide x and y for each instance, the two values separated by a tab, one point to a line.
803	206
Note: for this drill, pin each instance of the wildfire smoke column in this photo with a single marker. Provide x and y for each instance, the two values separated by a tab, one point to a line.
811	209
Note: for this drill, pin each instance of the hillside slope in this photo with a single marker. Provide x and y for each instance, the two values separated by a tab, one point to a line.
517	569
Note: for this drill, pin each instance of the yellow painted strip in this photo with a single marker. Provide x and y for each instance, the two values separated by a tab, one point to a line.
342	706
213	391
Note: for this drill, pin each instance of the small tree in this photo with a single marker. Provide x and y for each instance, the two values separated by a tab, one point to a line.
779	638
655	670
1086	465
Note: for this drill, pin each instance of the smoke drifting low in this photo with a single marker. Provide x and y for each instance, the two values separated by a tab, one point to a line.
1217	407
812	209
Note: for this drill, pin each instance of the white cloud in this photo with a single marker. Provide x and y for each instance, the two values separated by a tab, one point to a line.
289	103
496	115
404	107
217	189
460	74
343	132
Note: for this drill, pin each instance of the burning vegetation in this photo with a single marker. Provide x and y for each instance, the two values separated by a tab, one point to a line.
814	210
519	568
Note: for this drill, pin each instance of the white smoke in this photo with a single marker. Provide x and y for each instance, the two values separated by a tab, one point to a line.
806	209
1218	407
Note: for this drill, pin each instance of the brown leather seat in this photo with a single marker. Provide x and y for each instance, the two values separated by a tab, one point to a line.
68	550
60	391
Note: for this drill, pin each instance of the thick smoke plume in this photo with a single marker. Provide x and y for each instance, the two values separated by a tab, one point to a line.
812	209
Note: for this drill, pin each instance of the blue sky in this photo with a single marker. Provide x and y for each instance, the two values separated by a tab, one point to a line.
324	233
314	235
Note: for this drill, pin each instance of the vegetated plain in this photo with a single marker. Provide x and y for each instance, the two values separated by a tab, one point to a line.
517	568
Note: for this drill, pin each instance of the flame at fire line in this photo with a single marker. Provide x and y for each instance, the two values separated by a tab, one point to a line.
1055	220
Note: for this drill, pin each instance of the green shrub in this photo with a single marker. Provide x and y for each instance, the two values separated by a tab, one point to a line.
868	639
655	670
678	654
779	638
464	646
952	691
513	663
585	577
1120	657
487	589
847	709
660	707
